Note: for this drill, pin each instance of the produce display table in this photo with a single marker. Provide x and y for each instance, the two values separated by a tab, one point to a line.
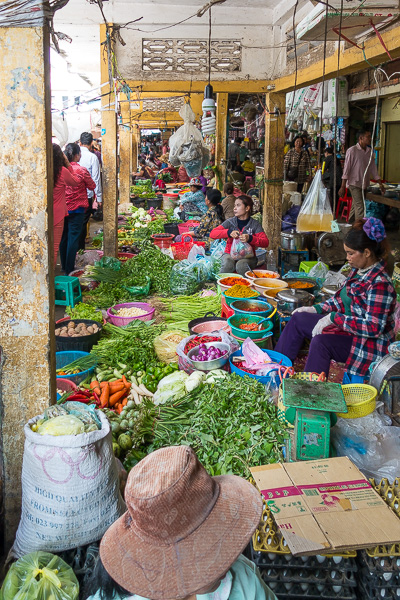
393	202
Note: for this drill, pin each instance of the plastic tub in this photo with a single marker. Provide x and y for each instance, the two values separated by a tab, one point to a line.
66	357
229	300
171	228
84	343
223	288
154	203
274	377
252	306
170	200
261	274
265	285
264	343
162	240
188	226
121	321
123	256
236	320
138	202
65	385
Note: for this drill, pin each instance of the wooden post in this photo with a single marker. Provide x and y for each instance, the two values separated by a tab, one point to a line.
135	133
221	139
125	154
109	157
27	365
273	185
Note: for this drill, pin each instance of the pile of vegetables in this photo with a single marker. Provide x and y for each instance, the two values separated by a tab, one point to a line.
78	366
207	353
183	309
84	311
77	329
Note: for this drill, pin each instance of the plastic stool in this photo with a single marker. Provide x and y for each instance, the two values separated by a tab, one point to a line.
344	205
67	290
307	265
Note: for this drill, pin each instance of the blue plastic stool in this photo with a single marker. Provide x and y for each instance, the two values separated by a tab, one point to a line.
349	378
67	290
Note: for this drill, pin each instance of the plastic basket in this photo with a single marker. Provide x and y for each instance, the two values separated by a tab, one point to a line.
121	321
181	250
230	299
83	343
65	358
242	334
360	399
65	385
123	256
282	409
188	226
275	356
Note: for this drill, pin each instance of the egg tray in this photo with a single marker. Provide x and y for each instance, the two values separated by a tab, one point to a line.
367	592
305	590
378	564
390	493
320	577
377	581
272	560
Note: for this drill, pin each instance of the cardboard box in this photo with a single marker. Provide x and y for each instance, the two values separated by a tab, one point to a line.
325	506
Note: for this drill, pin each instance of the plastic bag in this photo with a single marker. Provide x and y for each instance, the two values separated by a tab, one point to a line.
371	443
315	213
333	278
63	425
165	346
110	262
40	576
217	249
221	335
240	250
319	270
183	280
186	145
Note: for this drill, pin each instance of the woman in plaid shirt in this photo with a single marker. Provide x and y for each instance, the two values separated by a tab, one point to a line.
356	325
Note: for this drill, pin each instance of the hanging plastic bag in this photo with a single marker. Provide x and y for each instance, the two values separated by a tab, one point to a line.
315	213
319	270
186	145
240	250
40	576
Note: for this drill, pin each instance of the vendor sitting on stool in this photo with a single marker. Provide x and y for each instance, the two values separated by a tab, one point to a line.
244	228
356	325
193	202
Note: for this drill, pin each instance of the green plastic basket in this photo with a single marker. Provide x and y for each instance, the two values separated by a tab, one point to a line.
236	320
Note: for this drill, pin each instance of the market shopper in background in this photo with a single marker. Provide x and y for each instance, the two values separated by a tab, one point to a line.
77	205
63	175
328	175
359	169
356	326
171	542
233	155
228	203
183	177
213	217
90	162
241	227
193	202
297	165
145	172
249	168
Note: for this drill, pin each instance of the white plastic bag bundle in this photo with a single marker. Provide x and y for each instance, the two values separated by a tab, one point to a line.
315	213
70	490
186	145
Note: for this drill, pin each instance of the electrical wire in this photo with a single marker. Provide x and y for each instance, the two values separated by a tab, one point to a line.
336	115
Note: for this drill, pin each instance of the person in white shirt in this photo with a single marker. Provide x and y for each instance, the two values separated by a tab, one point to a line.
90	161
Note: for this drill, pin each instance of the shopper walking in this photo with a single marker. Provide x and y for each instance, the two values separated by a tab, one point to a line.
297	165
90	162
233	155
359	169
63	175
328	175
77	205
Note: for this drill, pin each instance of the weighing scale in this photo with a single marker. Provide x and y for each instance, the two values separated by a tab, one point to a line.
314	403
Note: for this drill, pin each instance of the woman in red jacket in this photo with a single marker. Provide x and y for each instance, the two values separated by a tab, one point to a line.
77	203
245	229
63	175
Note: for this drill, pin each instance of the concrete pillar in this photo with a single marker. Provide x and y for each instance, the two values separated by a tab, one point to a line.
110	184
135	135
125	153
274	145
221	139
26	253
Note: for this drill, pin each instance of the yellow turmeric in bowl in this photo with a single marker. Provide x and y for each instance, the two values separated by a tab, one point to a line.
240	291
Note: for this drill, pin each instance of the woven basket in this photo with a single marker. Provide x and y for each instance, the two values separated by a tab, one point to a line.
360	399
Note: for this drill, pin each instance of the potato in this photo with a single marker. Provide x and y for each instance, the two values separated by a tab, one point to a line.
90	330
58	331
64	334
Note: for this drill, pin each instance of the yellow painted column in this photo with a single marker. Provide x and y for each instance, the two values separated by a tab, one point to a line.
125	153
273	166
27	365
109	157
221	139
110	185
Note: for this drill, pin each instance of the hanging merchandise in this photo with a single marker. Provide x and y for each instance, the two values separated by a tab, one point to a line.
209	120
186	145
336	87
316	213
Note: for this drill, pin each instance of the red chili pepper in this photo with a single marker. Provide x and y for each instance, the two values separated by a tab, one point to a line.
96	398
82	399
86	393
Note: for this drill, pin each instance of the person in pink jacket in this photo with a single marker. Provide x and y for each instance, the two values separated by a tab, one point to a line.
63	175
240	227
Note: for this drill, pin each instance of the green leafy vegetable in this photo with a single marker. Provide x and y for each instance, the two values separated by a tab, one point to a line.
84	311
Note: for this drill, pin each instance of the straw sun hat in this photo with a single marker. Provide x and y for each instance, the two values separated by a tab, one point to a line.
183	529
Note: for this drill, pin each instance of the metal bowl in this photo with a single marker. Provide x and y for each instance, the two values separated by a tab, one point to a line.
209	365
306	284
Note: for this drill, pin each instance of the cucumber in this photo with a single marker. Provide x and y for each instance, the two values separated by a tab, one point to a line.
134	380
122	366
117	374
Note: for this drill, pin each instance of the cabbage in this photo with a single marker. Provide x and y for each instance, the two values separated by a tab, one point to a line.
171	387
215	376
194	380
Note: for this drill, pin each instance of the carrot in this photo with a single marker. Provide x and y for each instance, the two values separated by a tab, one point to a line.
116	386
124	401
104	384
114	398
126	383
105	394
94	385
120	409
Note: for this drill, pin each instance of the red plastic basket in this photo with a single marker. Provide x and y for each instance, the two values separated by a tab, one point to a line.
181	250
188	226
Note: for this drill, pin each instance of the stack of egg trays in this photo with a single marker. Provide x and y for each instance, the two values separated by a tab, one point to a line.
378	576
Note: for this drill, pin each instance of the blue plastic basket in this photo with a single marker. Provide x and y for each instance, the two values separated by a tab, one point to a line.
274	377
64	358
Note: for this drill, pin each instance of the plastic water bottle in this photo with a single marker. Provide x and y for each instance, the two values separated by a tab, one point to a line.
271	263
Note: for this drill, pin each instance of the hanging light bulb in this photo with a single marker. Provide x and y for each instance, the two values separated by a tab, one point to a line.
209	120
